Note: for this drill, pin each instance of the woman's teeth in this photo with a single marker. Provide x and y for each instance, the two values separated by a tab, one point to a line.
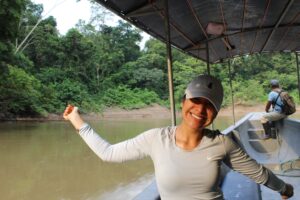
197	117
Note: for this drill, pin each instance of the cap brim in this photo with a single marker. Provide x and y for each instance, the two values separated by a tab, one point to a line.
204	95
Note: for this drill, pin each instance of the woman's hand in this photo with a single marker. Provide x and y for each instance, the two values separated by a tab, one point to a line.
71	114
288	193
67	111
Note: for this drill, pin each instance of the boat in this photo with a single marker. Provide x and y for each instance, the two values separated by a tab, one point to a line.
280	154
217	32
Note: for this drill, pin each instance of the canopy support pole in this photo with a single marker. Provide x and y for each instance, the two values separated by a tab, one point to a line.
207	58
169	63
208	72
232	99
297	64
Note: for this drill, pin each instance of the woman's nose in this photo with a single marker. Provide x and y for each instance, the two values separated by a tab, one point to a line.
201	108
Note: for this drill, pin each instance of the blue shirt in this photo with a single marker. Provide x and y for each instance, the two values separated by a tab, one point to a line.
272	97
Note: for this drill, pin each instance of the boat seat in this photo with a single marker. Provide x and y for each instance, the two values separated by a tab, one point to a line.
257	141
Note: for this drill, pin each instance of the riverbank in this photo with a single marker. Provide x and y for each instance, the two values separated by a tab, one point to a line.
155	111
160	112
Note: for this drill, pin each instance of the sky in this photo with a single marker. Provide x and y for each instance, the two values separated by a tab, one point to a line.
68	12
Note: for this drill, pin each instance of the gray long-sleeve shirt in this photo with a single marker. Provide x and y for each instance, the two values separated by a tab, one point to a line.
182	174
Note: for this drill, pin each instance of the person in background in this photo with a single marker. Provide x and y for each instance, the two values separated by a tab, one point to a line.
275	114
187	157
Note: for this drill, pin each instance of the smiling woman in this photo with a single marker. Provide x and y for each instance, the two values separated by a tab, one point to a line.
187	158
201	103
197	113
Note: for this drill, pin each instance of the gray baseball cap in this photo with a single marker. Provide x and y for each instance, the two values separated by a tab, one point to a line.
207	87
274	82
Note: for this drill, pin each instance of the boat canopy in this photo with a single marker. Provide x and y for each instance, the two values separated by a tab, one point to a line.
229	28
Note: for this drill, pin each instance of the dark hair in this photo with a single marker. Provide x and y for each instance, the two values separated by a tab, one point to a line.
274	83
274	86
183	98
211	133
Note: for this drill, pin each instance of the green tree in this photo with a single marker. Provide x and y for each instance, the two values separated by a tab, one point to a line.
70	91
10	15
30	18
44	45
21	93
184	71
129	98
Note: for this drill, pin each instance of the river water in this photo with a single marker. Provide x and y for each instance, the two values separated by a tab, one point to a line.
49	161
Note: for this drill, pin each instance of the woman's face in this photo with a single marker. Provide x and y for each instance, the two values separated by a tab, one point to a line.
198	113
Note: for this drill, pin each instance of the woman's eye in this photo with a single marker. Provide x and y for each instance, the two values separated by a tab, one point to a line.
196	100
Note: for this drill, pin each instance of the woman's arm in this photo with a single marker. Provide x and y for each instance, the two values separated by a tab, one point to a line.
135	148
239	160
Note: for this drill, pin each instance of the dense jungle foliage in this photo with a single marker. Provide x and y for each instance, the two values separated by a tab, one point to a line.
96	66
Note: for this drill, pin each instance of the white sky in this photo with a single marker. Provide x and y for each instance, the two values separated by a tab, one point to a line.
68	12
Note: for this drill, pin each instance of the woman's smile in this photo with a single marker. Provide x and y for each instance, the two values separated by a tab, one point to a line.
198	116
